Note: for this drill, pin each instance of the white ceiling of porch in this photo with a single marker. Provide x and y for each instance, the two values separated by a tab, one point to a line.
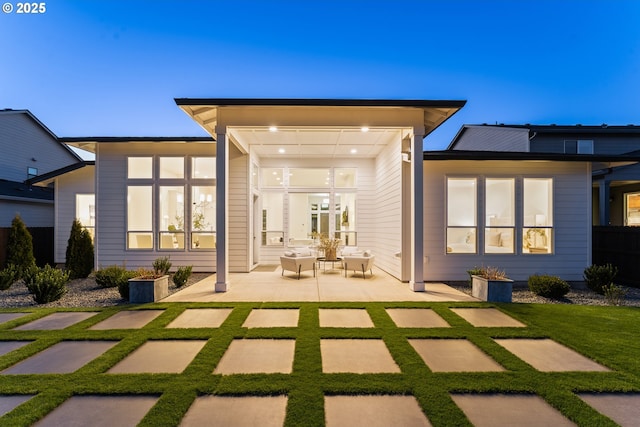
317	142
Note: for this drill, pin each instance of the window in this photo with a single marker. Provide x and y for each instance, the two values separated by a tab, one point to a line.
203	217
272	219
345	178
86	212
461	215
272	177
537	221
632	209
32	173
171	167
308	214
308	177
346	218
140	167
203	168
578	146
499	215
140	217
171	217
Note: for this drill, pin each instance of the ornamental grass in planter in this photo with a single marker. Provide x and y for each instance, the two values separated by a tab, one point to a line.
490	284
148	286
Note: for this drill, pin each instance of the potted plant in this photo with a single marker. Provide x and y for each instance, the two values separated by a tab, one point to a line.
150	285
330	247
491	284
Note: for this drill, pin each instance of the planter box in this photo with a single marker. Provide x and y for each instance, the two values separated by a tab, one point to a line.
148	290
491	290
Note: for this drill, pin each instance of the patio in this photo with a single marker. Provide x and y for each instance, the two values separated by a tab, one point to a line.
327	286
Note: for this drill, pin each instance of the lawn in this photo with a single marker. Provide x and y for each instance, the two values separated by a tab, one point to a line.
608	335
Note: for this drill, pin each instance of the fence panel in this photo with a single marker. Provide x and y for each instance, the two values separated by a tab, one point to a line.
619	246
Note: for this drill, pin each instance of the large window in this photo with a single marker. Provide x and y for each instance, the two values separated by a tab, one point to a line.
537	220
203	217
272	219
461	215
86	212
203	167
499	215
171	167
310	178
140	217
346	218
632	209
140	167
171	217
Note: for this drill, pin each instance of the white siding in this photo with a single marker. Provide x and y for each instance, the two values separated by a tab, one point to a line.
81	181
572	220
387	209
239	197
493	138
34	213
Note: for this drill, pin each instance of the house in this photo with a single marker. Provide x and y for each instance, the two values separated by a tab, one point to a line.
276	171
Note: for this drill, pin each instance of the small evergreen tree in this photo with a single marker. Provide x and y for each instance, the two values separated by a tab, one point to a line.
20	247
79	262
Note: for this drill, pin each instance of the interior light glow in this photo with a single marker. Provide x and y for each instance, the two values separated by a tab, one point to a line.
281	150
353	151
364	129
273	129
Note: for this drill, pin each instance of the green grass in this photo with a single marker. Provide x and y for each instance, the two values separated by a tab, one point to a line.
608	335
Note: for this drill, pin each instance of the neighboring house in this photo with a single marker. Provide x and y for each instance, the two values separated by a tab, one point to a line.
28	148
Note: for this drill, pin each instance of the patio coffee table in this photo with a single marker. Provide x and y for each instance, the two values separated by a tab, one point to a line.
324	262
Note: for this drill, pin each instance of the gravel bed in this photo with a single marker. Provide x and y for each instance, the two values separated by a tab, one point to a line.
80	293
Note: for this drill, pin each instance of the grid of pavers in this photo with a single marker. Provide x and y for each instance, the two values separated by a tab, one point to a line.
239	374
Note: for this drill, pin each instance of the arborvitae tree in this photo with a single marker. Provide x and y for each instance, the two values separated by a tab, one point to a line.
20	246
79	254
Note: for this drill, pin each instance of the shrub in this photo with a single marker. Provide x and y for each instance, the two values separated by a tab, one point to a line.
20	246
599	276
48	284
614	294
488	272
181	276
79	255
161	266
29	275
548	286
113	276
8	276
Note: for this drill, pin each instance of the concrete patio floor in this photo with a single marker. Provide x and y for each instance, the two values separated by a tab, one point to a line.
326	286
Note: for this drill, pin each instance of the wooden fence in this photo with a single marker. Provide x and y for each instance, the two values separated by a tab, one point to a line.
42	245
619	246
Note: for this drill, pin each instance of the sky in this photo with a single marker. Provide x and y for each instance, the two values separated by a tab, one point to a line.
113	68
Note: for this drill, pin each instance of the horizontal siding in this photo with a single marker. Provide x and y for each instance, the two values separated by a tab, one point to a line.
238	212
572	221
34	213
602	143
492	138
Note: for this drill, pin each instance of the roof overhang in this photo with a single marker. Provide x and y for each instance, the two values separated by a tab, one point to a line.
88	143
46	178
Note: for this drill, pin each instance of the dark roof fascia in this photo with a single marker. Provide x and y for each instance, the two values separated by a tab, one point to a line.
576	129
137	139
516	155
318	102
13	190
58	172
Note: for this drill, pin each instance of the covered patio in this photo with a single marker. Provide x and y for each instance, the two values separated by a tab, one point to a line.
270	286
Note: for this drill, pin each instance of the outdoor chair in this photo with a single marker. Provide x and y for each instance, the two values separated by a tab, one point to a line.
362	263
297	263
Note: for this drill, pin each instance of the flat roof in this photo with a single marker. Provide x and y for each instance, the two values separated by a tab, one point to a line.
516	155
320	102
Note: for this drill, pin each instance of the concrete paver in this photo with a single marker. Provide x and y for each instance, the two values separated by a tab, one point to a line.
454	355
5	317
9	346
61	358
129	319
624	409
365	356
373	411
99	411
9	403
487	317
549	356
253	356
201	318
344	318
499	410
272	318
227	411
416	318
161	356
56	321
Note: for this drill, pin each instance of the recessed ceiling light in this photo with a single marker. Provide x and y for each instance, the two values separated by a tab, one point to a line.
364	129
273	129
353	151
281	150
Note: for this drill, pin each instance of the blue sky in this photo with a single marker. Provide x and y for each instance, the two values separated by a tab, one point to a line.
112	68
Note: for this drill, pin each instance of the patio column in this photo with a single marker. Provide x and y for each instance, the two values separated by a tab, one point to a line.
604	196
222	193
417	215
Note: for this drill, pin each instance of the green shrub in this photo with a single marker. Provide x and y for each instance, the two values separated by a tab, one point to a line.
20	246
599	276
548	286
614	294
79	255
181	276
162	265
29	275
49	284
113	276
8	276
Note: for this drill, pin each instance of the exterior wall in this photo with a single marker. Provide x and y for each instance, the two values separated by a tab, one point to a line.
81	181
239	219
492	138
602	143
34	213
388	209
572	220
111	208
23	139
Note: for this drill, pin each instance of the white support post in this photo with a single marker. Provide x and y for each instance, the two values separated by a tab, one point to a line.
222	198
417	214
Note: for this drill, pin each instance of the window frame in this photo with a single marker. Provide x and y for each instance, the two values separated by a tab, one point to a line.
471	235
